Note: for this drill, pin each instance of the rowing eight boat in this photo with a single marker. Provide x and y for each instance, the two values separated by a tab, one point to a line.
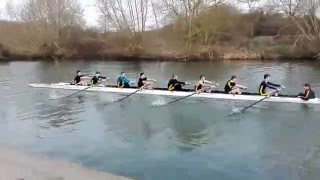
165	92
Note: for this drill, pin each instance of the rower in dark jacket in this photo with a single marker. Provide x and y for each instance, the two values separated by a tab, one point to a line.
174	84
95	79
80	79
144	82
77	79
308	93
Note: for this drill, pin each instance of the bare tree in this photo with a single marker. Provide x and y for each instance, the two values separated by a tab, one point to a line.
188	7
59	15
288	7
251	5
14	12
1	14
308	22
216	3
123	14
187	10
155	7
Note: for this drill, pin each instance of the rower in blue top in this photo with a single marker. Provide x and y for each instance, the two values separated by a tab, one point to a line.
267	88
123	81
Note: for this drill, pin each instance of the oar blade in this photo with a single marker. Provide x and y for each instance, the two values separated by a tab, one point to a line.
64	97
176	100
123	98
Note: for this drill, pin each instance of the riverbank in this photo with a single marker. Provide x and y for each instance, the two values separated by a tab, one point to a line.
205	36
160	45
266	52
187	58
15	165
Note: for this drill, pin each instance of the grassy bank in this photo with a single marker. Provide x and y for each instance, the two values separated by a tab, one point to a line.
254	36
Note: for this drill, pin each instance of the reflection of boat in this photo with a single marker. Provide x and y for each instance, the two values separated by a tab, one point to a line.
165	92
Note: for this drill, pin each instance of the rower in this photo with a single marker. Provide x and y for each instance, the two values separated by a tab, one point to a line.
233	88
174	84
144	82
203	85
123	81
267	88
96	78
308	93
77	79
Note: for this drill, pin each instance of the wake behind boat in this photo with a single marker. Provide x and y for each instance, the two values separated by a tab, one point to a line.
164	92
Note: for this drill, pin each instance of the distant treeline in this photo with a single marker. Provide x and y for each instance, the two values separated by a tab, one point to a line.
163	30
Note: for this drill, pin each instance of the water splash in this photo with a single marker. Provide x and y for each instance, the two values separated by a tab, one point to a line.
53	95
236	110
158	102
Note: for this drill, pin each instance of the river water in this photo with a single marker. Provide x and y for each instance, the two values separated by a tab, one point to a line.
191	139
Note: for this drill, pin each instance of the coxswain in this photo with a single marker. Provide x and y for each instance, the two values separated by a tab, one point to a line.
174	84
144	82
232	87
97	78
267	88
308	93
123	81
204	85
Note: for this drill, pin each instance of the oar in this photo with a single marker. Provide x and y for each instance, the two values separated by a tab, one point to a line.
121	99
73	93
242	110
178	99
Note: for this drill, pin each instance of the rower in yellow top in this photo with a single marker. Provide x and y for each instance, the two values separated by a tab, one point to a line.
232	87
267	88
204	85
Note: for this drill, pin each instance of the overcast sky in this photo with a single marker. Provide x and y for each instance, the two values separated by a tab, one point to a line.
89	11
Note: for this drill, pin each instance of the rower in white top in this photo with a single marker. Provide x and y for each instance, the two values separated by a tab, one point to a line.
145	83
204	85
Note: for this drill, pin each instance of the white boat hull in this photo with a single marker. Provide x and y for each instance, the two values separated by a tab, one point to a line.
67	86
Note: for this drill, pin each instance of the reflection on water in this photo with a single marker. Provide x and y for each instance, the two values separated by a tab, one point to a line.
56	113
59	116
191	139
311	165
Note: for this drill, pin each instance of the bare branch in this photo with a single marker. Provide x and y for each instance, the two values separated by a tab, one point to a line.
123	14
251	5
288	7
59	15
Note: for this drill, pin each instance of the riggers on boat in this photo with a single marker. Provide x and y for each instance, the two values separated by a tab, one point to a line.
164	92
